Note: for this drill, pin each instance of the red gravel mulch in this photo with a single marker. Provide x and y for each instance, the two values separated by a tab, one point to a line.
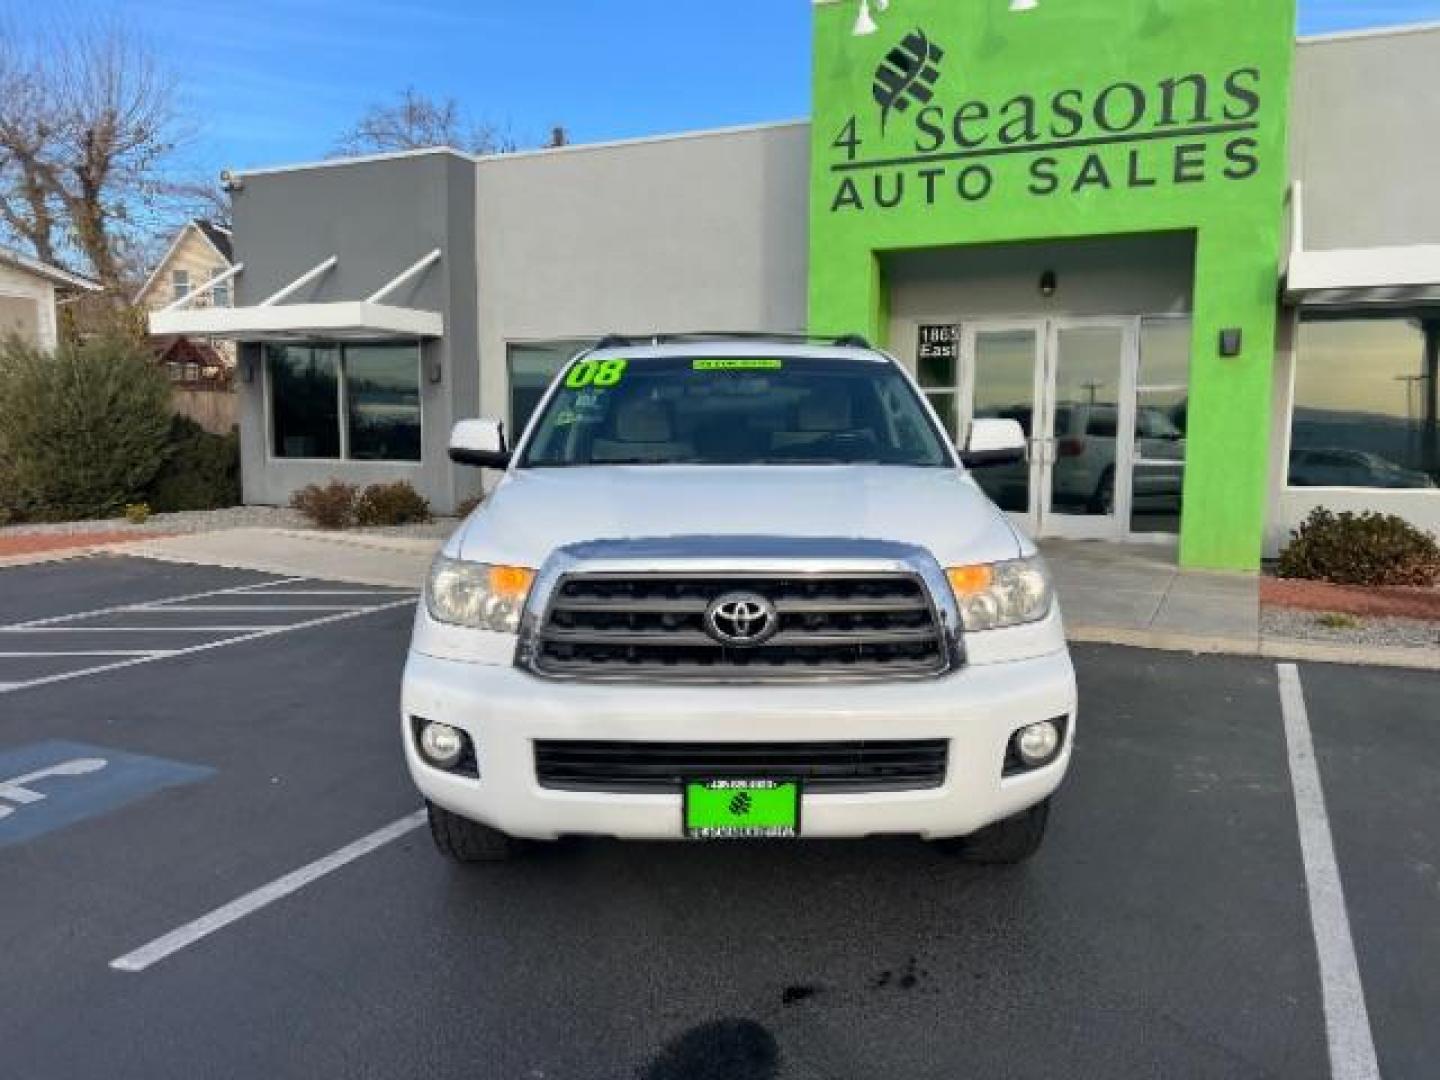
1408	603
36	543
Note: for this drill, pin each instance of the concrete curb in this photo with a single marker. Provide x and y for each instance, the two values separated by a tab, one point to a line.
1394	656
408	544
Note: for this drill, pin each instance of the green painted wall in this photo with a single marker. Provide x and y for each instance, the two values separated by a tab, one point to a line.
1081	118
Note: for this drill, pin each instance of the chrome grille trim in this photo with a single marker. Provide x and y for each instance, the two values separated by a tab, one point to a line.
885	603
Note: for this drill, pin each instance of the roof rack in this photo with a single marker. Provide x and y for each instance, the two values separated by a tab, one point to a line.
622	341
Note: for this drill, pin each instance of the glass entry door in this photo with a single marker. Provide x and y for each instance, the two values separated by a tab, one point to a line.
1088	417
1070	385
1003	364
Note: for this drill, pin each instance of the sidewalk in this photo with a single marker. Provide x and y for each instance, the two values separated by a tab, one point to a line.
1138	588
353	557
1135	594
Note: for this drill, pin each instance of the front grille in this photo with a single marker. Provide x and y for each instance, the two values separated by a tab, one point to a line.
665	767
653	626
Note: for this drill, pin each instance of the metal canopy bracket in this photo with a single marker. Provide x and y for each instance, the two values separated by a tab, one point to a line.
300	282
194	294
415	269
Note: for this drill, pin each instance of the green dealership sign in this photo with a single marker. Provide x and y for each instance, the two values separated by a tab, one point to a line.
1186	130
963	122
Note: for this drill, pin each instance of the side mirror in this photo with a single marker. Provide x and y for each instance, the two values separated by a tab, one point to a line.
479	442
994	442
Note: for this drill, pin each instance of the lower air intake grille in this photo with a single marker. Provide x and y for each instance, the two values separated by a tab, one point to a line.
665	767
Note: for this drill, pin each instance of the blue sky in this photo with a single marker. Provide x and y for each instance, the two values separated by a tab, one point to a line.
275	81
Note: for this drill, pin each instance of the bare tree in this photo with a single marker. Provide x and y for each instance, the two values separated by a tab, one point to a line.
88	131
117	128
415	122
29	133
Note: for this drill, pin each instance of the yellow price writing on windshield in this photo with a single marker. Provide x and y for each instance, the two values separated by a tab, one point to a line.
601	373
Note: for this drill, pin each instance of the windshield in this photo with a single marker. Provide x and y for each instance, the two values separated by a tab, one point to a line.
734	411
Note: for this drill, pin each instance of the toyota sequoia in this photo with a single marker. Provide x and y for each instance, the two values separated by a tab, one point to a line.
738	588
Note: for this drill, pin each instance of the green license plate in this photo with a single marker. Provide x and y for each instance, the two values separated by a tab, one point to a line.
742	809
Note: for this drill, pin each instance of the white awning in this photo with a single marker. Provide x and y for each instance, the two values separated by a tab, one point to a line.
1398	274
274	320
292	322
1379	275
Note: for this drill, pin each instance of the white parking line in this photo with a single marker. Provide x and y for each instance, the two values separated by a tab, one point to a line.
52	620
251	902
241	634
381	592
86	652
1347	1021
253	607
152	629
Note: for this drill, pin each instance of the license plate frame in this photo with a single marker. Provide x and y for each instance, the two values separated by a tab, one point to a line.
741	809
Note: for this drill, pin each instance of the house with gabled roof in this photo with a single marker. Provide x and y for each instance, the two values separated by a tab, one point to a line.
30	294
196	268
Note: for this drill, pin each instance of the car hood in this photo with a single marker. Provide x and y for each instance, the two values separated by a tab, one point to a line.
532	512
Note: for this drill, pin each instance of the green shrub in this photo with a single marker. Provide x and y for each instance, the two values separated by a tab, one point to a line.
1360	549
202	472
465	507
392	504
330	506
137	513
83	430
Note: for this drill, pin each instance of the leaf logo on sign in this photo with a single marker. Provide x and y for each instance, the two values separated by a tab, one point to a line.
907	75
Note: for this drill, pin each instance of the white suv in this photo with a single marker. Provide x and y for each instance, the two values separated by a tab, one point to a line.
738	588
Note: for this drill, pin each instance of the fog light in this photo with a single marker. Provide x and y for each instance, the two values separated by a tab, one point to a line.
1038	743
442	745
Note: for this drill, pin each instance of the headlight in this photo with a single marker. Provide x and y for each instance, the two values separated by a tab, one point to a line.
477	594
993	595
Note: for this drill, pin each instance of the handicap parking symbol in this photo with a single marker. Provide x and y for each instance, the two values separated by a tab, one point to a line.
49	785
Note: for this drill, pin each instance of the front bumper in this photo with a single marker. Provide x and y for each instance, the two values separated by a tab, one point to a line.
504	710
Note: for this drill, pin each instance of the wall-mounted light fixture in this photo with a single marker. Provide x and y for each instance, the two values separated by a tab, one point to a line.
1049	282
1232	340
435	369
865	22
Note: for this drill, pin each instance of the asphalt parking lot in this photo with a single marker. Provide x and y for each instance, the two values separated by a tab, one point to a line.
247	728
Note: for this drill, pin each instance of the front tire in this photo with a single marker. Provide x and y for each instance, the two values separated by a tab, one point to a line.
464	841
1007	842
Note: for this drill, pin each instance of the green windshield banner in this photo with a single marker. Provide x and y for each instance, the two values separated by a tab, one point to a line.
738	365
962	122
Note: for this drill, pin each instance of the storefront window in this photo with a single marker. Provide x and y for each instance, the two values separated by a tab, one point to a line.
532	365
1162	393
382	391
305	400
1366	403
379	384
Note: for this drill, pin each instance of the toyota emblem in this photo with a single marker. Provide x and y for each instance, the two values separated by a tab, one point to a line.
742	619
